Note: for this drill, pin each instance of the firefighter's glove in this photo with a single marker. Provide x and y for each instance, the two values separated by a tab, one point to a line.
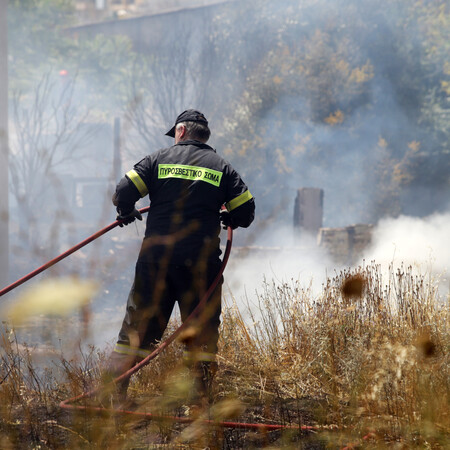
227	220
126	219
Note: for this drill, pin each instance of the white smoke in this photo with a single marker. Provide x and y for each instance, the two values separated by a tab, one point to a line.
423	243
278	257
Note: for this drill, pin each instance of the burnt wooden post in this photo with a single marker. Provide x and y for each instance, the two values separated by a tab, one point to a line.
308	210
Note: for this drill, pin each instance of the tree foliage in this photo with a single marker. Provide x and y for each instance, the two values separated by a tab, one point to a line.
330	82
40	41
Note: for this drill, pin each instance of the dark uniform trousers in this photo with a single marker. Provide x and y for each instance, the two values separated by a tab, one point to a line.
150	303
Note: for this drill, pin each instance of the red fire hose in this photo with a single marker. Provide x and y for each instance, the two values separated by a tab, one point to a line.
64	255
68	404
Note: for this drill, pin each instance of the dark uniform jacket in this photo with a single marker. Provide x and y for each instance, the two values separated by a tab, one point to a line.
187	184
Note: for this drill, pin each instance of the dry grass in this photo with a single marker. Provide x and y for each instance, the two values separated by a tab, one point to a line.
368	358
374	356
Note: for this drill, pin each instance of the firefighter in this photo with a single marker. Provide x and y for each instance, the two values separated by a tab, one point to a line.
187	184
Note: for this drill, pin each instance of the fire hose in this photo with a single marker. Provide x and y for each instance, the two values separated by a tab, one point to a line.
68	404
64	255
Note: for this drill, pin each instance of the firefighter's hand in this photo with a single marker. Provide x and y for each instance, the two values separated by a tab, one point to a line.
227	220
126	219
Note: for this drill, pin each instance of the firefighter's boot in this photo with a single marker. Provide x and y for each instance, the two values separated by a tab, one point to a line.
204	372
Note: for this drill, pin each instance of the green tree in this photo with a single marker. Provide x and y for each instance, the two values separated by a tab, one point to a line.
329	81
36	37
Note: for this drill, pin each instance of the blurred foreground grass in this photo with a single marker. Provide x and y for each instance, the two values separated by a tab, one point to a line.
368	359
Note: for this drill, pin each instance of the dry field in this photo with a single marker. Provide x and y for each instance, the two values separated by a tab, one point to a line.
366	364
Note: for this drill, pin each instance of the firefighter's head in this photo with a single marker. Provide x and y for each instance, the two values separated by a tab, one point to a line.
190	124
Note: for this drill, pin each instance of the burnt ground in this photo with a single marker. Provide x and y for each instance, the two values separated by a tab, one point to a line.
39	425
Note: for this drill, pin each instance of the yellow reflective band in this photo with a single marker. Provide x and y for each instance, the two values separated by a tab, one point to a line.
193	173
133	351
138	182
239	200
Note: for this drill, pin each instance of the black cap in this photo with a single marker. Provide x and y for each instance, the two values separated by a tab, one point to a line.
190	115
